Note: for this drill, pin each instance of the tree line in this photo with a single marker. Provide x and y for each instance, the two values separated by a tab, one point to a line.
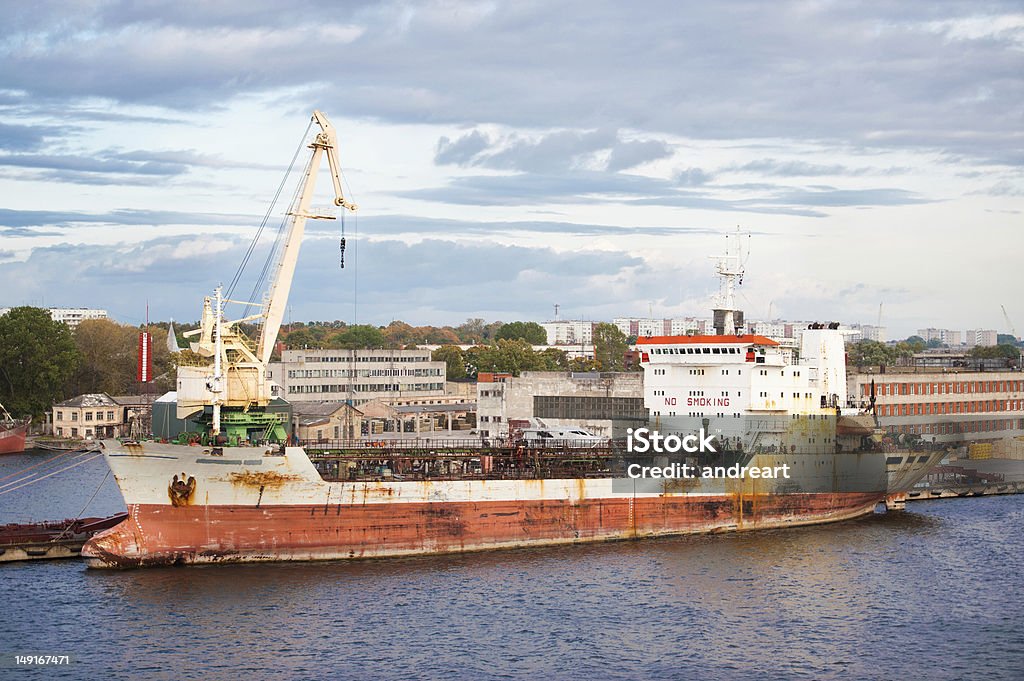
398	334
43	362
516	355
873	353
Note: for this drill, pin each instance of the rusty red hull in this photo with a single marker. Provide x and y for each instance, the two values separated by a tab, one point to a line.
12	437
162	534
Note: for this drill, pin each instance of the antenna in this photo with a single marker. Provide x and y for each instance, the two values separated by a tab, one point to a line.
556	311
880	315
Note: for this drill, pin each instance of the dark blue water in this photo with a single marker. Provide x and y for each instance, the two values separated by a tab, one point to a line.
932	593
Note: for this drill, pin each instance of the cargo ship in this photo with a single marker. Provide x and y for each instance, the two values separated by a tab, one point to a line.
12	432
243	494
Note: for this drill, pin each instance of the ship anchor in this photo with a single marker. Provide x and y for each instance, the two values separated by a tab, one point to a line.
181	490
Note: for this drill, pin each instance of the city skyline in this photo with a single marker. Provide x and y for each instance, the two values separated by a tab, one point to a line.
510	156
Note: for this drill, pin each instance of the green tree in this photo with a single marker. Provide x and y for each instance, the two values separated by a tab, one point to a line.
582	364
439	336
37	357
908	348
913	344
397	334
481	358
610	347
995	352
506	356
517	356
358	336
870	353
472	331
300	338
109	357
531	332
454	359
553	359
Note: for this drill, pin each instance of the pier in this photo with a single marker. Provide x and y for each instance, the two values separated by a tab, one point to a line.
971	478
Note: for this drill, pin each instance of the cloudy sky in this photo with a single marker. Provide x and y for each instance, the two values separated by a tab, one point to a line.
508	156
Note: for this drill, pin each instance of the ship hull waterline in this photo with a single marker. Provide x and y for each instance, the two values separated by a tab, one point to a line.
164	535
278	508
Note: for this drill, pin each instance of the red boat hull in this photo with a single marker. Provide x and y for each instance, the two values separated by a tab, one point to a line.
12	440
163	534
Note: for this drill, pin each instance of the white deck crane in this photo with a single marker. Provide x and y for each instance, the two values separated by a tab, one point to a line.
326	142
237	378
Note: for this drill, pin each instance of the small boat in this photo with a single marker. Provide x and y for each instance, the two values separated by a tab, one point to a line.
66	444
55	539
12	432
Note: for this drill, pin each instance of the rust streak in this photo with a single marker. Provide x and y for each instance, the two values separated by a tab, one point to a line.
263	479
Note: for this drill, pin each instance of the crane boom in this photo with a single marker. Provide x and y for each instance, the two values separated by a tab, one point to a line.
325	142
1009	323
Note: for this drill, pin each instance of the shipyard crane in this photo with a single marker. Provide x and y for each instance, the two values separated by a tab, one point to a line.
237	379
1013	331
326	142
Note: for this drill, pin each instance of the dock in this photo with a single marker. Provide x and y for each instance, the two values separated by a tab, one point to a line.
960	491
971	478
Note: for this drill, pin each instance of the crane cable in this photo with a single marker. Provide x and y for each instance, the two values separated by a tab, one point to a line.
355	246
273	255
266	217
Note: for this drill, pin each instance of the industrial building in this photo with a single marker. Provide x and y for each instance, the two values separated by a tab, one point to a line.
603	403
357	376
945	405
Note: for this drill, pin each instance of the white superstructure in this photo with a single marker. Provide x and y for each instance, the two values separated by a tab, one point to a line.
735	376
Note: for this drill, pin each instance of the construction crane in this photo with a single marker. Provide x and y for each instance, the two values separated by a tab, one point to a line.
1013	331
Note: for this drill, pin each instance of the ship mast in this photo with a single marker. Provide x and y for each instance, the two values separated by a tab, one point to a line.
277	298
730	269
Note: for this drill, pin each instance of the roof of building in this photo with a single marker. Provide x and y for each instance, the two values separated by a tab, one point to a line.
134	400
89	400
747	339
310	409
431	408
307	421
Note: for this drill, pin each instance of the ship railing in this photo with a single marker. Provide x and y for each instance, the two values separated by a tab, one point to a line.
460	444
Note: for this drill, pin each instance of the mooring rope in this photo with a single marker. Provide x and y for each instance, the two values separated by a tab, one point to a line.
82	512
49	475
41	463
